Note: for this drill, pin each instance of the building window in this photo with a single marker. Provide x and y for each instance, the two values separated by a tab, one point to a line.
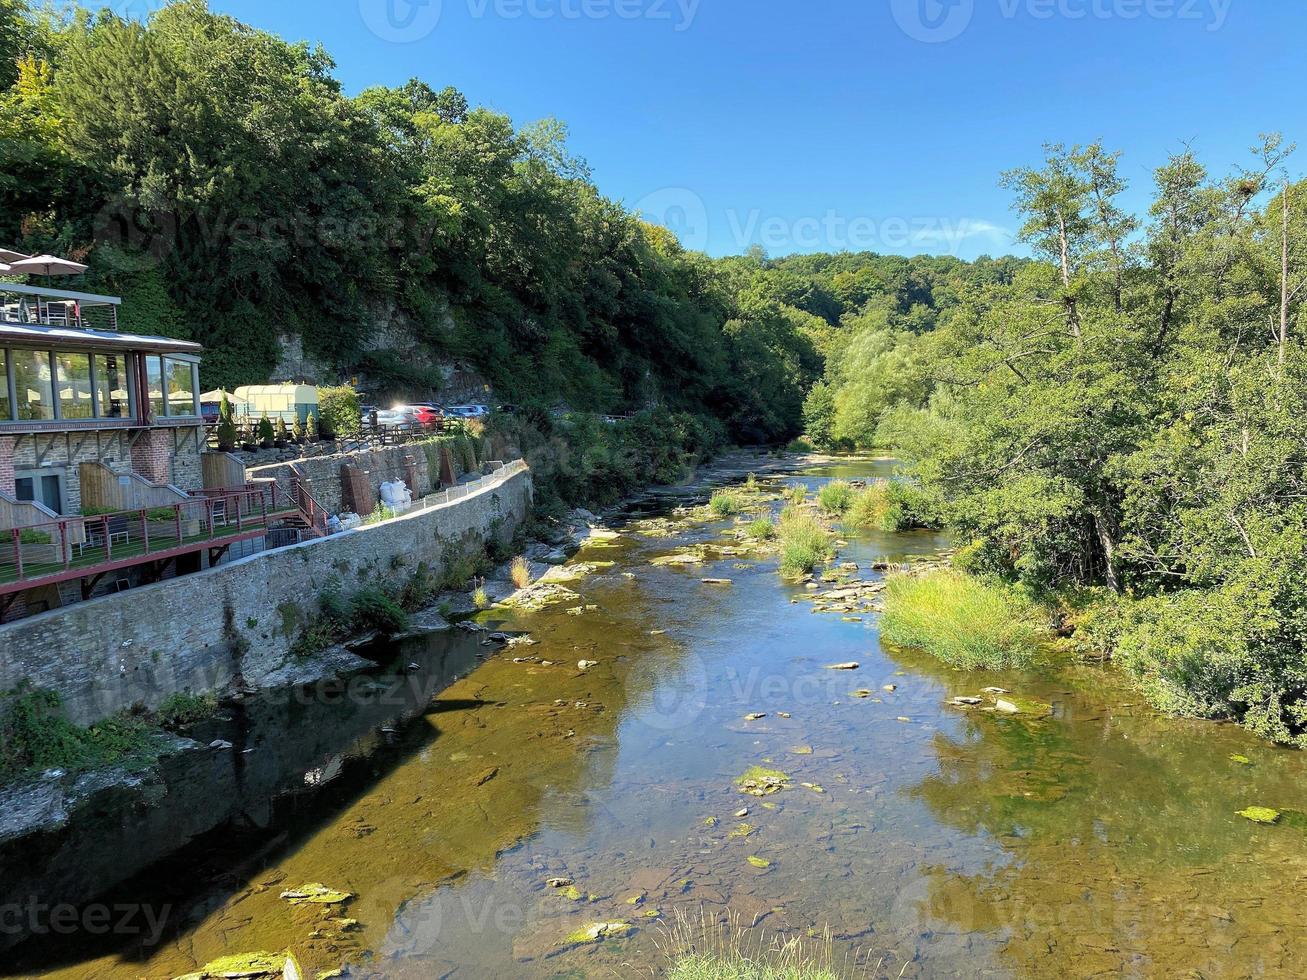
32	386
154	384
181	387
73	381
43	486
6	406
112	392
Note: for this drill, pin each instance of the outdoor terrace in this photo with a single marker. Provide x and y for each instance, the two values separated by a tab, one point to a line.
89	547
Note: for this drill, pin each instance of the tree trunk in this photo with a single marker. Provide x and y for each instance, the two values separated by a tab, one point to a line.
1108	545
1072	314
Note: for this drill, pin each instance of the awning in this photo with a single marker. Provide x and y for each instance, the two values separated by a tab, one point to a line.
38	335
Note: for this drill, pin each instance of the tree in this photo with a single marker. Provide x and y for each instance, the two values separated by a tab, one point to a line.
266	432
226	425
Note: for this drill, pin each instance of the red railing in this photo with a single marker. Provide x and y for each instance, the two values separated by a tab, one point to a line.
87	546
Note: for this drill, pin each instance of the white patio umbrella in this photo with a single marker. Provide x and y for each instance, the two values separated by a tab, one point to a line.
47	266
9	255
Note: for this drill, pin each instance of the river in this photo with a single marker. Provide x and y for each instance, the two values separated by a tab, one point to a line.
925	840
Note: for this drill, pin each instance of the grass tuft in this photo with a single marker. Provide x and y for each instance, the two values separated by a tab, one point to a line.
727	503
710	948
879	507
965	621
520	573
835	497
805	544
761	530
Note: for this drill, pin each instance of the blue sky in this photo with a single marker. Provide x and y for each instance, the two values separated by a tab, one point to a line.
812	125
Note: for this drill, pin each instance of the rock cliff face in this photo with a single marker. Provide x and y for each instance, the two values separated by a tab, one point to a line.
392	332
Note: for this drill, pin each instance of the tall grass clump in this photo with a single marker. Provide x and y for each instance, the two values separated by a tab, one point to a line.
805	544
761	530
706	948
520	572
726	503
797	495
880	507
965	621
835	497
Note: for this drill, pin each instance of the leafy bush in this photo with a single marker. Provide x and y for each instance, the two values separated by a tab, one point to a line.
835	497
266	432
797	495
338	410
183	708
29	536
805	544
1231	652
761	530
372	608
35	736
965	621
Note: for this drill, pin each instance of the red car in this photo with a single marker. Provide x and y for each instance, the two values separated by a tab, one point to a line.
430	416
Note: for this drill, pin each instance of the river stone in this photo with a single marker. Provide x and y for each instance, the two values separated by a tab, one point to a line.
1026	707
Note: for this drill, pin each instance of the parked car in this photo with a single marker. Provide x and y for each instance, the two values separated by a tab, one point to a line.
467	411
429	413
400	415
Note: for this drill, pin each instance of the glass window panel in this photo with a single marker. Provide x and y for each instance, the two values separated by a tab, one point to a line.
111	386
6	409
154	382
181	388
32	385
74	383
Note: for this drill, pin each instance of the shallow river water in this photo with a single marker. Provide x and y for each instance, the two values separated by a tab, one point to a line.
931	841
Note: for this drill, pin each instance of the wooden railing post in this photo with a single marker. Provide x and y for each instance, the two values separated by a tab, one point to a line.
145	531
18	553
63	544
178	517
108	539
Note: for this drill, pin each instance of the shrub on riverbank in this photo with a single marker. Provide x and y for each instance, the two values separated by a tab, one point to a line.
965	621
761	530
35	736
1231	652
805	543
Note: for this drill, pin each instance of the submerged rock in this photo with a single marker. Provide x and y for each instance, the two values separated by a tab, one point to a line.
757	781
1027	707
598	931
250	966
851	665
759	862
316	893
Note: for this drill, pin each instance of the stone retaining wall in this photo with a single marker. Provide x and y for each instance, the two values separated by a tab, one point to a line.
200	632
382	464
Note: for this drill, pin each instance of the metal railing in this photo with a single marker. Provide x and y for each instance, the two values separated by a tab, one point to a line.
90	545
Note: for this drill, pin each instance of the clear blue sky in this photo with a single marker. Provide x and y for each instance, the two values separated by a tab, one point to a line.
809	125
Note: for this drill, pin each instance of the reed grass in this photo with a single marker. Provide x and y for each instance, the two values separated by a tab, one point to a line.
965	621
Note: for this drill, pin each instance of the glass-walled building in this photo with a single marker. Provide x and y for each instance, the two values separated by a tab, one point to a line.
71	396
